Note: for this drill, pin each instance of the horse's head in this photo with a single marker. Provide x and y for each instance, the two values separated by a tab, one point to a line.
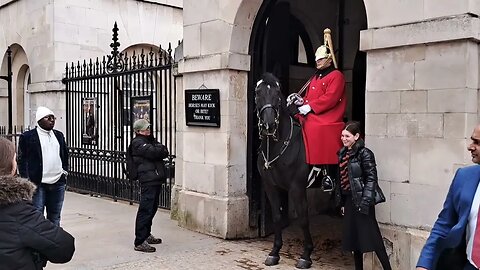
268	101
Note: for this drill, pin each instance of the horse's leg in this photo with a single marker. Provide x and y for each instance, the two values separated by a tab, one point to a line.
273	195
299	197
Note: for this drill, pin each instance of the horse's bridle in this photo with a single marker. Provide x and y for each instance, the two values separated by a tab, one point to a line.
261	124
274	133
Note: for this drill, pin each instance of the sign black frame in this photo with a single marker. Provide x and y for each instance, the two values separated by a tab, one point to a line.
202	107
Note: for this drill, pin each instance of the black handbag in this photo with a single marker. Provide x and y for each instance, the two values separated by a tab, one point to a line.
379	196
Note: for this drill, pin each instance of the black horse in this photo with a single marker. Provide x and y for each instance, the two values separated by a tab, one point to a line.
281	163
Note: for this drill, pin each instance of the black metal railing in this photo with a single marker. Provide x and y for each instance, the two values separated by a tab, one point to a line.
15	135
104	97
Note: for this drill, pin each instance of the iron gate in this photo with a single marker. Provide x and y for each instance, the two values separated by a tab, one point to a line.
103	98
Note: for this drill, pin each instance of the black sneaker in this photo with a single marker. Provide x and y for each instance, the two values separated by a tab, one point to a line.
153	241
145	247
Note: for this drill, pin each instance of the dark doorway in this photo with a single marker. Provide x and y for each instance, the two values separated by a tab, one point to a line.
284	38
358	87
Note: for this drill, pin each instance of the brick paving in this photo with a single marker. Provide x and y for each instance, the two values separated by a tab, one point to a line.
104	240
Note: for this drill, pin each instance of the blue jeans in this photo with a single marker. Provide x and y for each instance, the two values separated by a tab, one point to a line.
50	196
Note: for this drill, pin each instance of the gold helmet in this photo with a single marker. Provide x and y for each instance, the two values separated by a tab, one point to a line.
326	50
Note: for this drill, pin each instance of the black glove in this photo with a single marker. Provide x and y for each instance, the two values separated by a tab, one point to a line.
364	208
292	109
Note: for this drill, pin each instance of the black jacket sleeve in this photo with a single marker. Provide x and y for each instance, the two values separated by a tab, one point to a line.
64	153
42	236
152	150
370	178
22	157
63	149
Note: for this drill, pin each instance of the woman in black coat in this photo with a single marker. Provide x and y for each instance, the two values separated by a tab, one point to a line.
357	193
27	239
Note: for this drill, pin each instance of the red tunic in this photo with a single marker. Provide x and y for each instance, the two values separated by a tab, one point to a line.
323	126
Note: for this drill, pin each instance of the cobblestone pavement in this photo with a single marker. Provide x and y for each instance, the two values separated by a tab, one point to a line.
104	240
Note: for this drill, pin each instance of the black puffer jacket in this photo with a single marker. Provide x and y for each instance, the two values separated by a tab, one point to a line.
148	155
27	239
362	175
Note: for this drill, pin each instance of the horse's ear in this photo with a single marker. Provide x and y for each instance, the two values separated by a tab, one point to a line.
258	83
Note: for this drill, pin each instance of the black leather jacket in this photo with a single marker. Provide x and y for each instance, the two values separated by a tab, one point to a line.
148	155
362	174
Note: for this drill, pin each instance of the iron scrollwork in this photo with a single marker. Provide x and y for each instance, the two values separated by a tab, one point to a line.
115	61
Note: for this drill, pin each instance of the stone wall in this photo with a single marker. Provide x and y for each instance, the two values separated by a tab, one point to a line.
211	169
53	33
421	108
400	12
210	192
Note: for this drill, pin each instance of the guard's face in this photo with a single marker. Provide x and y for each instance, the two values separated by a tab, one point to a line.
47	122
323	63
474	147
348	139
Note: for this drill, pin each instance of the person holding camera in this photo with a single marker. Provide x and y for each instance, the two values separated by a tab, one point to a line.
27	239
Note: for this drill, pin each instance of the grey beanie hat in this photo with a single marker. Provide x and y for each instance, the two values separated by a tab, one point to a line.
140	125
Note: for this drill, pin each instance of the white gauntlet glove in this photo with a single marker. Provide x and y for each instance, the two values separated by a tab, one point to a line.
304	109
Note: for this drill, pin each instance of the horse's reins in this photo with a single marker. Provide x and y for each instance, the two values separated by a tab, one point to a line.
286	143
300	92
284	147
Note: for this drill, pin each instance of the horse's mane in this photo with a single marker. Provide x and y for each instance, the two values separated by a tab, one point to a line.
270	79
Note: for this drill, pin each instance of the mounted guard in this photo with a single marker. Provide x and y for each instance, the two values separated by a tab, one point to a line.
320	110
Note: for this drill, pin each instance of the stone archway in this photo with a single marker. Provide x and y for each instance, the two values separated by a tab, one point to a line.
20	70
22	106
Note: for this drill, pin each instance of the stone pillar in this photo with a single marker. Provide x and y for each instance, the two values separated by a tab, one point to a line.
421	107
210	191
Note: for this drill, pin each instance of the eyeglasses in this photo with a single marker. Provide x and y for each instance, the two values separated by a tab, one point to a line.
50	118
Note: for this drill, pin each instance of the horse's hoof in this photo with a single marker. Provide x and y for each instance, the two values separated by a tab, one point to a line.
303	264
272	260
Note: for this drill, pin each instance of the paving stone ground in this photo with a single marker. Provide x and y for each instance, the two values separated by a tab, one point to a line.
104	231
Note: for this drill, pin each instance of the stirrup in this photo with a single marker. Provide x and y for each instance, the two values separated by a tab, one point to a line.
328	184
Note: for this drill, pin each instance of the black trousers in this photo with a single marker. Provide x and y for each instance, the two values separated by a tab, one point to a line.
149	200
469	266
